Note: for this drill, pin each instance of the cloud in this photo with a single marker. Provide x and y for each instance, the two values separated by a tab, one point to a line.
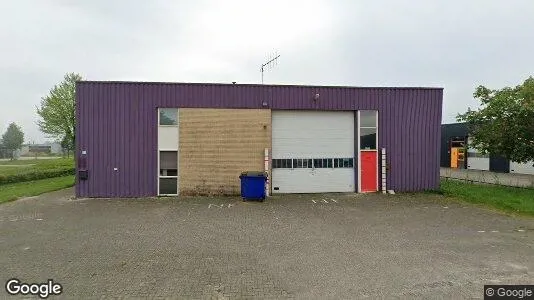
452	44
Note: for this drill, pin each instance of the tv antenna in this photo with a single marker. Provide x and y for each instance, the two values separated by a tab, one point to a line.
269	64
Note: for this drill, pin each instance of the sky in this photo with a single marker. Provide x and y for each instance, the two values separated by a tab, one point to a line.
454	44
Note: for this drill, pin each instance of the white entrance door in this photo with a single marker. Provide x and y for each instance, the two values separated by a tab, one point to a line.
313	152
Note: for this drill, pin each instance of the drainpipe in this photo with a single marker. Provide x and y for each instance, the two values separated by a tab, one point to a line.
383	170
266	162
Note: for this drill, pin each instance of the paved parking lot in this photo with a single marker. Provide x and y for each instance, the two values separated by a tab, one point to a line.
336	246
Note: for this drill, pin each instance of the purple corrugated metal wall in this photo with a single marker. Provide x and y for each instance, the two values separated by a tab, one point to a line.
117	127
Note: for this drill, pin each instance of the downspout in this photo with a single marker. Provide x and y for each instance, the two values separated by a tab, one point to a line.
266	162
384	189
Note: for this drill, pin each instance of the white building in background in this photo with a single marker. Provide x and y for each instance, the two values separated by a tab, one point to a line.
48	148
479	161
526	168
475	159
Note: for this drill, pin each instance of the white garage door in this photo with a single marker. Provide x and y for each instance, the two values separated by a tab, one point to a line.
313	152
525	168
476	160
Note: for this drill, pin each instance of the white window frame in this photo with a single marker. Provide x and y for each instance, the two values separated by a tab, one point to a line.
358	117
177	153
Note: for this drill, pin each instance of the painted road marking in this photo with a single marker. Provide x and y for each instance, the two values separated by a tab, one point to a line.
497	231
216	205
23	217
220	205
324	201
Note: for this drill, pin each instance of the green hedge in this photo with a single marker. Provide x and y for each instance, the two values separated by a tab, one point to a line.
36	175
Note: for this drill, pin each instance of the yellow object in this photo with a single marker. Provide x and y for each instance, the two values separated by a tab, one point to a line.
457	157
454	158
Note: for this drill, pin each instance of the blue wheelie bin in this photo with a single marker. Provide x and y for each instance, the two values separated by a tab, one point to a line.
253	185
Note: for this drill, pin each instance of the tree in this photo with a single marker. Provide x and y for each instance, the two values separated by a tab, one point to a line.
57	111
504	125
65	145
13	138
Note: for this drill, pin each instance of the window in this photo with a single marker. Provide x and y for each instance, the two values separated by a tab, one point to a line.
368	130
168	116
300	163
168	163
308	163
322	163
168	186
367	118
168	172
343	162
367	138
282	164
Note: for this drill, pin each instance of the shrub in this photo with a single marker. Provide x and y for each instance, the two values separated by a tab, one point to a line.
36	175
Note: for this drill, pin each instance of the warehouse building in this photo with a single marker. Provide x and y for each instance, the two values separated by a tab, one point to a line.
139	139
457	153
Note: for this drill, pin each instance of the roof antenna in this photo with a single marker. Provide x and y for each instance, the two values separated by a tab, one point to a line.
270	63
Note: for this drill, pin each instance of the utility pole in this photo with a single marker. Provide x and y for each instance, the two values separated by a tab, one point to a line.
269	64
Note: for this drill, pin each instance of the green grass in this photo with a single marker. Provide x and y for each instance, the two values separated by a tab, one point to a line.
13	191
504	198
25	166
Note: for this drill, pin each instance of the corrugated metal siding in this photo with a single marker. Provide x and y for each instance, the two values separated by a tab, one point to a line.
117	127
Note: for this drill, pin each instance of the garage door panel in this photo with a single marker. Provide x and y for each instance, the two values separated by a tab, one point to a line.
478	163
308	132
522	168
312	135
317	181
308	149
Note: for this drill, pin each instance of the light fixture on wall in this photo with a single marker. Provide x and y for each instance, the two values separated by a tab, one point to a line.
316	97
264	104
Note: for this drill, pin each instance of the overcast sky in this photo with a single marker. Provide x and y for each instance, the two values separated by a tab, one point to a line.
454	44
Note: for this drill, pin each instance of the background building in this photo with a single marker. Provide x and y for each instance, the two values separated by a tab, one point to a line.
455	137
146	139
41	149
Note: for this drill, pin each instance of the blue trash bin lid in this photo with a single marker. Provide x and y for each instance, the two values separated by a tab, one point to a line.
253	174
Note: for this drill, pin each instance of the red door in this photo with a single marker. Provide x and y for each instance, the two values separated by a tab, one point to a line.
369	176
